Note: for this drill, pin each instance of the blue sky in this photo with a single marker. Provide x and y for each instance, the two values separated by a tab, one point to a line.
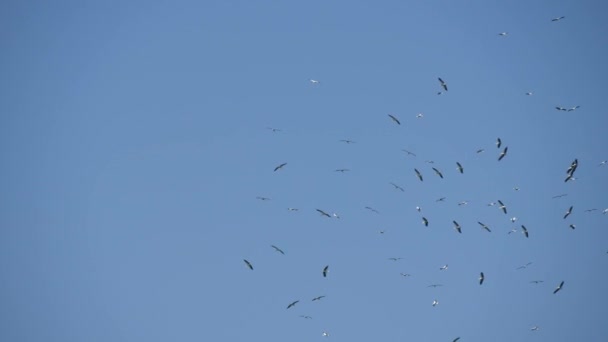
134	141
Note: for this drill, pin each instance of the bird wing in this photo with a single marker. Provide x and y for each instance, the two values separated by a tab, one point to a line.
459	167
395	119
323	213
248	264
280	166
277	249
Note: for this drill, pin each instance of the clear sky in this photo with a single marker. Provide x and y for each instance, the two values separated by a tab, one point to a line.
134	141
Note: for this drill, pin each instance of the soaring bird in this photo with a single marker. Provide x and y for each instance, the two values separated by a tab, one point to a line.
457	227
559	287
418	209
394	259
558	18
463	203
484	226
280	166
248	264
273	129
277	249
498	142
537	281
524	266
524	230
409	153
418	174
434	285
503	33
456	339
572	167
425	221
435	302
442	199
443	268
318	298
263	198
372	209
534	328
325	270
394	119
459	167
481	278
480	150
397	186
502	206
341	170
503	153
443	84
292	304
561	108
348	141
573	108
323	213
405	274
558	196
572	226
314	81
437	172
293	209
529	93
419	115
305	316
568	212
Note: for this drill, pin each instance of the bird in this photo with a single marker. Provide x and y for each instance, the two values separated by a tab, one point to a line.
429	161
335	215
443	84
558	196
318	298
248	264
372	209
559	287
442	199
457	227
524	266
277	249
572	167
418	209
513	219
409	153
534	328
263	198
480	150
347	141
503	153
325	334
558	18
568	212
484	226
561	108
434	285
463	203
394	259
502	206
418	174
537	281
341	170
425	221
498	142
605	211
443	268
590	210
323	213
603	162
394	119
405	274
280	166
529	93
293	209
572	226
273	129
516	188
459	168
305	316
438	172
292	304
573	108
314	81
419	115
503	33
397	186
435	302
325	270
456	339
481	278
524	230
512	231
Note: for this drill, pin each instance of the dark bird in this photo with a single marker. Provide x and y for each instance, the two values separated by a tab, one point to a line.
502	206
434	285
347	141
561	108
559	287
442	199
277	249
572	226
372	209
558	18
323	213
397	186
318	298
457	227
459	167
394	119
503	153
425	221
394	259
480	150
325	270
418	174
409	153
280	166
304	316
568	212
273	129
341	170
524	230
537	281
292	304
248	264
481	278
572	167
443	84
437	172
263	198
484	226
558	196
590	210
498	142
456	339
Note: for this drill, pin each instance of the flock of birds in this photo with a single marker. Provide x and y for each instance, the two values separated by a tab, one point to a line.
502	153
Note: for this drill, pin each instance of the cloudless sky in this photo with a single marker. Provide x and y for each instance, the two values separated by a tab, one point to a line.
134	141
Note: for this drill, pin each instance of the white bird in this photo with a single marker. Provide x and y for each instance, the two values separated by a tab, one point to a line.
529	93
605	211
513	219
314	81
444	267
603	163
534	328
503	33
435	302
419	115
325	334
418	209
335	215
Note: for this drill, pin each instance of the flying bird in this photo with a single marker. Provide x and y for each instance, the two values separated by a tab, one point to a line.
590	210
248	264
484	226
394	119
325	270
434	285
305	316
273	129
347	141
292	304
443	84
419	115
524	266
537	281
405	274
481	278
498	142
603	163
524	230
418	174
372	209
503	153
534	328
529	93
323	213
459	167
573	108
318	298
438	172
409	153
572	226
341	170
503	33
293	209
558	18
397	186
456	339
457	227
418	209
480	150
394	259
280	166
435	302
442	199
559	287
558	196
568	212
443	268
561	108
502	206
463	203
314	81
277	249
263	198
425	221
